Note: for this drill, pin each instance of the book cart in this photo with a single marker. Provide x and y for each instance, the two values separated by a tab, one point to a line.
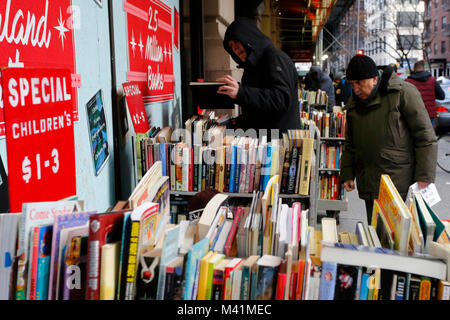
180	198
331	204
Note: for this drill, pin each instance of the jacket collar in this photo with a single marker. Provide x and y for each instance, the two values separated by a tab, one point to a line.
394	84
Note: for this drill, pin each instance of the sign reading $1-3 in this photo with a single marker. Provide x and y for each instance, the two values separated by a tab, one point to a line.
150	48
39	116
39	34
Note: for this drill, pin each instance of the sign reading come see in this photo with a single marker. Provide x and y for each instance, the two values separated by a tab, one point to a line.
38	110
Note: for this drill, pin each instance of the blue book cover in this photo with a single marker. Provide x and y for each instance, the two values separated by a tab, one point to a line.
364	286
253	283
233	168
162	157
245	287
265	171
238	168
196	252
43	271
328	281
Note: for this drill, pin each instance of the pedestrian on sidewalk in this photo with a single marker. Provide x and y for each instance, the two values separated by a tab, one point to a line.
388	132
268	93
321	80
429	88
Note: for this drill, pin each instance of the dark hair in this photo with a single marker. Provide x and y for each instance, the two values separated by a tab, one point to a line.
419	65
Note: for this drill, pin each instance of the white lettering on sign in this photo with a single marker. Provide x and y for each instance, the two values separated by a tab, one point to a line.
35	127
39	90
132	90
155	80
153	51
25	31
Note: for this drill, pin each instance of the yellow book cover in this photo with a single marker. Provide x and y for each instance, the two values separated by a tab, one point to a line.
109	268
425	289
396	211
212	263
203	276
307	156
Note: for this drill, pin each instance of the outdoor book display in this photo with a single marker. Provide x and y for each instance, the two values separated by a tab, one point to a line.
331	127
260	250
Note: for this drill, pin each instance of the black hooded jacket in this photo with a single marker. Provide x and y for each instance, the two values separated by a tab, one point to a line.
268	93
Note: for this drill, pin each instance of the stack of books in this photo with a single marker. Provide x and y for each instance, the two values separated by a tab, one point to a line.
260	250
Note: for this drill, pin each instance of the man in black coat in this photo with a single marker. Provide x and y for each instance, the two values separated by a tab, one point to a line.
268	93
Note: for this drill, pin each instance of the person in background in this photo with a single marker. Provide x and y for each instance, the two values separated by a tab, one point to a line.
268	93
343	89
429	88
388	132
320	80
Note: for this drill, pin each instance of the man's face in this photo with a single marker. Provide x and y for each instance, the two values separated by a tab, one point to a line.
363	88
238	49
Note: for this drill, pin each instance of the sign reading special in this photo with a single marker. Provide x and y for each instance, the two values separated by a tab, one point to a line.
39	34
136	107
150	48
38	109
98	132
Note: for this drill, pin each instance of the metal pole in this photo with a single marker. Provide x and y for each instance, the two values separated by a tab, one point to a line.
357	31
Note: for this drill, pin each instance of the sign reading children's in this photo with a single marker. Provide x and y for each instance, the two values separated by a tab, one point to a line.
38	109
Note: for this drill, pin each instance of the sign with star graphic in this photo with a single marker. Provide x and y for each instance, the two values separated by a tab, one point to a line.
150	48
39	34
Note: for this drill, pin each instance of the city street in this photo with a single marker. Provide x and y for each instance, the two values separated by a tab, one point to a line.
357	212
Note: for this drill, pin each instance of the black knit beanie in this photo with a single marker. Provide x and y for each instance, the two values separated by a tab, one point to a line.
361	67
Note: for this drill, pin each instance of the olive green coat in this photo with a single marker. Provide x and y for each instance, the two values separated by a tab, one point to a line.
391	135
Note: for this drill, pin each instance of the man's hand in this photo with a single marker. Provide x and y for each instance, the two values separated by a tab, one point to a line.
422	185
231	87
349	185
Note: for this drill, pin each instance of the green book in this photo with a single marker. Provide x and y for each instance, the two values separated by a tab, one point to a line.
211	265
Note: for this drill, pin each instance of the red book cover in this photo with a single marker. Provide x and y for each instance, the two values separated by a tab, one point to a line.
103	228
191	168
281	285
301	271
293	284
34	263
226	279
232	234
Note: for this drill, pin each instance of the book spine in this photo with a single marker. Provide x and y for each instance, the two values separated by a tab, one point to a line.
425	289
191	167
237	176
292	171
169	283
281	286
173	170
212	170
285	176
328	280
196	165
232	169
245	287
132	261
400	287
179	166
34	264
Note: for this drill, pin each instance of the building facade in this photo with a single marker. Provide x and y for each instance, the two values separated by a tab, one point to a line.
437	36
394	32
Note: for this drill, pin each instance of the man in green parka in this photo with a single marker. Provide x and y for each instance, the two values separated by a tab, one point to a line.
388	132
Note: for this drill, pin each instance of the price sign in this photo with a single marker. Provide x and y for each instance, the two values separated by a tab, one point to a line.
150	48
39	135
37	34
136	107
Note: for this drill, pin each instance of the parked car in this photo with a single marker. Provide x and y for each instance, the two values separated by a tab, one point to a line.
442	121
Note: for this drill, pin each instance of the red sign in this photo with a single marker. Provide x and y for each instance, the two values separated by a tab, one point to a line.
39	34
176	27
39	116
150	48
136	107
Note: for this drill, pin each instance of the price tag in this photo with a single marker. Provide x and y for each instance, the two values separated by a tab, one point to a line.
39	115
136	107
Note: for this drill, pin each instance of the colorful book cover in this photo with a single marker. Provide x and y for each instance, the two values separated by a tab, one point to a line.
195	253
61	222
43	270
35	214
103	228
328	280
346	282
75	268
